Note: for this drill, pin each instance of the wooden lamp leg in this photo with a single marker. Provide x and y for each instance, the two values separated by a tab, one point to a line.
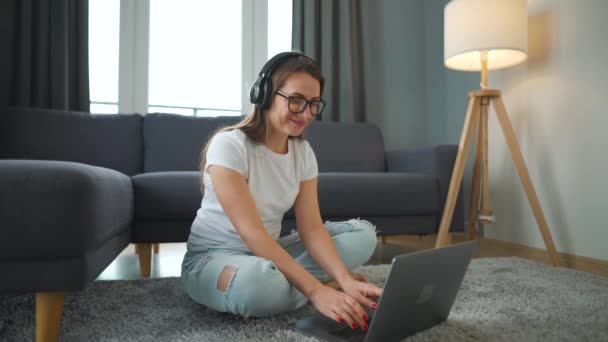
472	227
461	158
520	165
49	308
486	215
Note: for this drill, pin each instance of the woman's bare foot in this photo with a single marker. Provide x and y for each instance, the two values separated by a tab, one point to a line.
334	284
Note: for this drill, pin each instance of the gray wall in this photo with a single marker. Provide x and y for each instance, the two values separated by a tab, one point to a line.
557	104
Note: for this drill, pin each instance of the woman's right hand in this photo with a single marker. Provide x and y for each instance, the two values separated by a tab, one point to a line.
339	306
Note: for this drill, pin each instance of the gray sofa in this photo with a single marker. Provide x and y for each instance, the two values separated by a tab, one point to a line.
76	188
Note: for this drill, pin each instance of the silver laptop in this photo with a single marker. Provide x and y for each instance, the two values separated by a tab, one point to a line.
418	294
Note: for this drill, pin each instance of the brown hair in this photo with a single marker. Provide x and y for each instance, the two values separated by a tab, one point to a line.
256	125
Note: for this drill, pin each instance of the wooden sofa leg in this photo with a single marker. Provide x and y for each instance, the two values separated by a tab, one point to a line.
145	259
156	248
49	309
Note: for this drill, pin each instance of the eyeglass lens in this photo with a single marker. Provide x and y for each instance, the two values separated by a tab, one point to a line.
298	105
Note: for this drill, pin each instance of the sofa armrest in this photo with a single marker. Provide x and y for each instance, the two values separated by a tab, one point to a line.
438	161
57	209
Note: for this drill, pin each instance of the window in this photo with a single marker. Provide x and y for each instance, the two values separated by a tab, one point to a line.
279	26
103	55
195	55
190	57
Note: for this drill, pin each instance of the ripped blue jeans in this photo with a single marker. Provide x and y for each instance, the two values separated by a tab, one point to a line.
257	287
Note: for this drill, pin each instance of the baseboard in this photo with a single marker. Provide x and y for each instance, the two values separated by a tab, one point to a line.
573	261
498	248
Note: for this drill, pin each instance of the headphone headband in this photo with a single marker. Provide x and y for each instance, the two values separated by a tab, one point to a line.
260	92
270	64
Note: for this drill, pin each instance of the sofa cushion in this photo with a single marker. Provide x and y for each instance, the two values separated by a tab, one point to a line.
347	147
110	141
175	195
354	194
174	142
56	209
172	195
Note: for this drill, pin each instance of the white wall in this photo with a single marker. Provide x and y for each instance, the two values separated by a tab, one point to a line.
558	105
557	102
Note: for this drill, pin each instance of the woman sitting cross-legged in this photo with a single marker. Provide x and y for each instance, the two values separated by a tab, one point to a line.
252	173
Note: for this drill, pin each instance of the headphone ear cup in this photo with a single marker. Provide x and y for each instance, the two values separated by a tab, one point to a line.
254	92
266	93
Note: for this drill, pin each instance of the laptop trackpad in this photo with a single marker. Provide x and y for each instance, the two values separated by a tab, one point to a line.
348	334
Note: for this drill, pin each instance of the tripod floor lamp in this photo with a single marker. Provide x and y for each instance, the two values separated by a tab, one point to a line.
482	35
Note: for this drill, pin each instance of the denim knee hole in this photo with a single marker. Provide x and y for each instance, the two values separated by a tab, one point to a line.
230	279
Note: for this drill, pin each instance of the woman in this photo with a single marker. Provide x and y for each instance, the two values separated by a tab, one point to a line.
252	173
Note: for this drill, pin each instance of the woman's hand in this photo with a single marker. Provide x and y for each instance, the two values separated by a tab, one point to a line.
361	290
341	306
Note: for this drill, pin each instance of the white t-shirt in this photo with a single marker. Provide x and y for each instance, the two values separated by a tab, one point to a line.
273	179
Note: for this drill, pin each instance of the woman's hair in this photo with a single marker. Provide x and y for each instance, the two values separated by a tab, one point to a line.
256	125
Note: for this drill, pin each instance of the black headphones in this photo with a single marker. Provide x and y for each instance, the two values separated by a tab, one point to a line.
260	92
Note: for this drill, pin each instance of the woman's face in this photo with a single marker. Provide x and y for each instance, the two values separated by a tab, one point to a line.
298	84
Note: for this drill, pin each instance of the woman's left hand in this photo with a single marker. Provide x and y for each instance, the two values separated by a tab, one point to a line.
360	291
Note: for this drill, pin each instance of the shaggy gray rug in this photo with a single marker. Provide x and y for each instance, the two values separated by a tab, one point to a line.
501	299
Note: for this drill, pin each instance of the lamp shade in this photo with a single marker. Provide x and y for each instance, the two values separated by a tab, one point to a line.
499	27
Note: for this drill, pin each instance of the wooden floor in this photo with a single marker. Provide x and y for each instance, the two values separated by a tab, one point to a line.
168	262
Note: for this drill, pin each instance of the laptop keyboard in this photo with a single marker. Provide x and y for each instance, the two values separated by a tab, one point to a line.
346	332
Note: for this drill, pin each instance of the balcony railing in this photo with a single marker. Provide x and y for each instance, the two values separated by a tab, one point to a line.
100	107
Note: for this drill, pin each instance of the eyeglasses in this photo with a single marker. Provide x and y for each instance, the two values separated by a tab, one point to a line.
298	104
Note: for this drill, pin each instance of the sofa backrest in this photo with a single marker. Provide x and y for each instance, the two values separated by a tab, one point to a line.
347	147
111	141
174	142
